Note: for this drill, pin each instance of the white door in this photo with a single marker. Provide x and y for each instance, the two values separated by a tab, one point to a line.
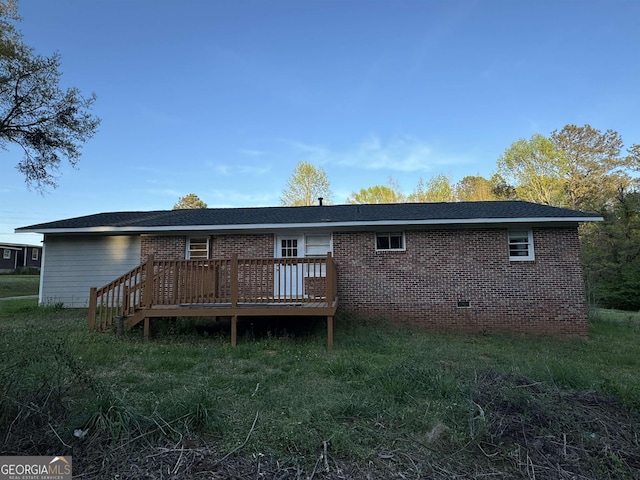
289	282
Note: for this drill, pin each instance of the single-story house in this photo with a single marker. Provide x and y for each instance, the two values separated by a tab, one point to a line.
18	256
475	266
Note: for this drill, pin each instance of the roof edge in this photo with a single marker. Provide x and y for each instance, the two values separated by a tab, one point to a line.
288	226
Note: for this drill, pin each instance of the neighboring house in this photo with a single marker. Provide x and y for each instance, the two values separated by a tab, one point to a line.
16	257
494	266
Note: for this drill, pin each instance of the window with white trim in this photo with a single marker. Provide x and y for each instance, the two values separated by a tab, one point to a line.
317	245
389	241
34	254
197	248
521	245
6	254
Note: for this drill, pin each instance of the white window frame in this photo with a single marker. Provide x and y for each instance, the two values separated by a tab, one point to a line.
402	248
307	245
512	244
6	254
35	255
197	241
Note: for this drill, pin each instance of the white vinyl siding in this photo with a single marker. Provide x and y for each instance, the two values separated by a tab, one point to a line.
72	265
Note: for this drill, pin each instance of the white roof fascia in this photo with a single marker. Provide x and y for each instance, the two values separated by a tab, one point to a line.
281	226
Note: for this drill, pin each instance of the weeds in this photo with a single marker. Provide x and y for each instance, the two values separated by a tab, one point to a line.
386	403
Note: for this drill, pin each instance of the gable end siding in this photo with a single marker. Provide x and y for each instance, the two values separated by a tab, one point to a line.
73	265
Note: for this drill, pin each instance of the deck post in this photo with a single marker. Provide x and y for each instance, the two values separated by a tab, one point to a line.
125	301
147	328
148	283
330	279
93	301
329	332
234	330
234	280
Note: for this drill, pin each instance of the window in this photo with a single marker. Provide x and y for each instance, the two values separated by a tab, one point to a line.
198	248
389	241
521	245
6	254
288	248
34	254
317	245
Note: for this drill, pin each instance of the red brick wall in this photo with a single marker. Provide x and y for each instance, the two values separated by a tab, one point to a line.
422	285
163	248
246	246
220	246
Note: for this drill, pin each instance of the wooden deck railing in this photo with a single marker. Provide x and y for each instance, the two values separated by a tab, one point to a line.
214	282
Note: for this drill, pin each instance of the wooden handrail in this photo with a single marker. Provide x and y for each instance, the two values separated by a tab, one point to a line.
107	302
214	281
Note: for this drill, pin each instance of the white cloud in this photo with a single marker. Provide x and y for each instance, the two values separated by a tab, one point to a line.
230	170
400	154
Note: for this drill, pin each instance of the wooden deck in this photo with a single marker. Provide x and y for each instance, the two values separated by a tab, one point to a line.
218	288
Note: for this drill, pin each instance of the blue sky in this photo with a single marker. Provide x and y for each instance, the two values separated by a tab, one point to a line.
224	98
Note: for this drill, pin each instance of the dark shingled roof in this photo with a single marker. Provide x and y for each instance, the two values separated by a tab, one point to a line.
460	212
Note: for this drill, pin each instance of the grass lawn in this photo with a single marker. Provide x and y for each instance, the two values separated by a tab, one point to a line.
18	285
386	403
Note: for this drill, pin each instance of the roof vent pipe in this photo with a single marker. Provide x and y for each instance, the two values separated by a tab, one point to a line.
320	201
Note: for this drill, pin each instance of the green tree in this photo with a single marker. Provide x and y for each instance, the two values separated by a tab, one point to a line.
595	168
378	194
501	189
306	184
474	189
35	113
189	201
437	189
537	169
611	254
585	169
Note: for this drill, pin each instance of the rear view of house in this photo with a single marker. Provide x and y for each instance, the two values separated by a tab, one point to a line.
495	266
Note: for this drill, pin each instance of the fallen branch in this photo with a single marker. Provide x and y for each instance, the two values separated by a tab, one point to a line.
241	445
56	434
